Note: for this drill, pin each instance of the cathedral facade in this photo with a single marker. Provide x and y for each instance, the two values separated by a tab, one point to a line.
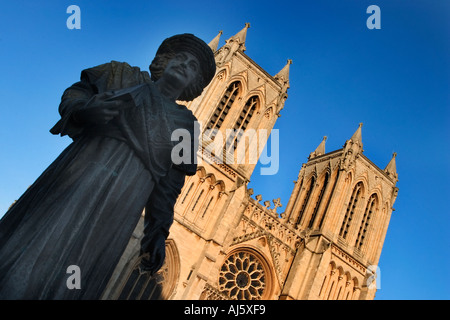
227	243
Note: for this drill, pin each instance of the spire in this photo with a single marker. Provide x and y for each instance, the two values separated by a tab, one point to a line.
319	150
391	168
283	75
240	37
356	137
214	44
352	147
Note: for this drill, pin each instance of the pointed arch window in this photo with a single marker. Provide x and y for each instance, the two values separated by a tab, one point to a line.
140	284
242	122
370	208
207	206
351	208
187	193
319	200
337	285
305	200
223	107
198	198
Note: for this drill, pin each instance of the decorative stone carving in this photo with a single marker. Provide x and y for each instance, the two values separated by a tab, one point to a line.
242	277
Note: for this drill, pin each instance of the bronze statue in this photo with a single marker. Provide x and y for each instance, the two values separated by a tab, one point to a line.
84	207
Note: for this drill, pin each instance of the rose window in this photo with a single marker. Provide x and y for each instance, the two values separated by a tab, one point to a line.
242	277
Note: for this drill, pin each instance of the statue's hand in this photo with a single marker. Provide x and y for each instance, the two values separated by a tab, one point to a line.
156	254
98	110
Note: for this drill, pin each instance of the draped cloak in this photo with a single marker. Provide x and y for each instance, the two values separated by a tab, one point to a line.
84	207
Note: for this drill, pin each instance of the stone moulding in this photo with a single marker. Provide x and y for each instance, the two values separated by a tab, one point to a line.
338	252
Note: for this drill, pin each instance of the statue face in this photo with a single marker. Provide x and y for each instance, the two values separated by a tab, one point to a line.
183	69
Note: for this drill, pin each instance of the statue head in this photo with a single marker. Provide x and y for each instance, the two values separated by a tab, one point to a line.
186	42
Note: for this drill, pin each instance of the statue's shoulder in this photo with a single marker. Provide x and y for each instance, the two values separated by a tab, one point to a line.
117	65
93	73
114	69
111	66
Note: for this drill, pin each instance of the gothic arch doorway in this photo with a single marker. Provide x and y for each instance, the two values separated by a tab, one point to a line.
140	285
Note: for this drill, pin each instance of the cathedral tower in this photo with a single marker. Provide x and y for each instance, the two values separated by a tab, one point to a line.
242	102
343	203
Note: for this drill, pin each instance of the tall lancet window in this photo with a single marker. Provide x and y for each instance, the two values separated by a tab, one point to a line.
370	208
319	200
187	193
351	208
305	200
223	108
242	122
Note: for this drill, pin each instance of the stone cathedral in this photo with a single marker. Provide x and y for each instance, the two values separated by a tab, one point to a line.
227	243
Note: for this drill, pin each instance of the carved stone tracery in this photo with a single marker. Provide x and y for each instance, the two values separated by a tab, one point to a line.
243	277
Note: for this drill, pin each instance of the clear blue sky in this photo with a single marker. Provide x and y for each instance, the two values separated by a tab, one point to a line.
395	80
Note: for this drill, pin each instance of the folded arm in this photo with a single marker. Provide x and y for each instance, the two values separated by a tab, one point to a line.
73	99
83	104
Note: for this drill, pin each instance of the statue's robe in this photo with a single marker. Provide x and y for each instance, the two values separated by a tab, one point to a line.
84	207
